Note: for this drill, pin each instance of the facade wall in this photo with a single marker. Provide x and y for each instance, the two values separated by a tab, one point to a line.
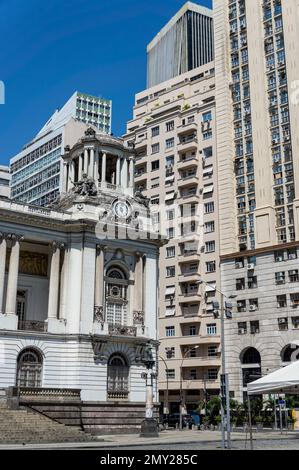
181	180
4	181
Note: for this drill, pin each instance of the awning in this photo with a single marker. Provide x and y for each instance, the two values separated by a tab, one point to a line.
170	312
170	290
169	196
285	380
208	189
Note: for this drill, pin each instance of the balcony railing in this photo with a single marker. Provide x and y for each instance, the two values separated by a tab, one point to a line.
122	330
32	325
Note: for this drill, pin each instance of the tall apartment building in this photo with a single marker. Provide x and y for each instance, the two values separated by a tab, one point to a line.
173	131
185	43
36	170
258	173
4	181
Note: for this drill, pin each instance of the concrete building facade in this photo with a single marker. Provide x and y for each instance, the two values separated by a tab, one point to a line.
36	170
173	131
258	174
4	181
185	43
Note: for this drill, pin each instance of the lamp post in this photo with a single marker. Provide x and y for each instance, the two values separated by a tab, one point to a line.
166	402
225	398
149	426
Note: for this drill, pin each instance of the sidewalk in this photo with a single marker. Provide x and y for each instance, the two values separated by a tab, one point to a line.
166	437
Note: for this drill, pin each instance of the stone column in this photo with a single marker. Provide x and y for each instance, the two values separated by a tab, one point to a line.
125	173
80	168
104	157
85	162
2	268
118	171
138	288
99	279
54	280
12	283
131	172
96	169
65	177
91	168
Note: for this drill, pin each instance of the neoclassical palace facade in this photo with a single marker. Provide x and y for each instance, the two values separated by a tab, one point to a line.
78	282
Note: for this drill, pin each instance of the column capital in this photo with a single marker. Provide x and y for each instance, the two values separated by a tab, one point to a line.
101	248
14	238
54	245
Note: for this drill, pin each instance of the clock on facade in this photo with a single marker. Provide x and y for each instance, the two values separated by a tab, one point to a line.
121	209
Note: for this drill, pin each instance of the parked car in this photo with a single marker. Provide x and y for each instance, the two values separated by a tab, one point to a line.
173	421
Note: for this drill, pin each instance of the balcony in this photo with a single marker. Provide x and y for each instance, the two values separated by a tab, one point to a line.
189	196
202	361
188	181
122	330
187	162
188	143
188	256
191	297
32	325
189	276
141	144
185	128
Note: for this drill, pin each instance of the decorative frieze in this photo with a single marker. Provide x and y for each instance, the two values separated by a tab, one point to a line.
121	330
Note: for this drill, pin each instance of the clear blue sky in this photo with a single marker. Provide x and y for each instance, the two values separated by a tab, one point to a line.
50	49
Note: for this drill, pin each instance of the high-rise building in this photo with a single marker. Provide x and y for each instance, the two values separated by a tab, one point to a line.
258	176
4	181
36	170
173	131
185	43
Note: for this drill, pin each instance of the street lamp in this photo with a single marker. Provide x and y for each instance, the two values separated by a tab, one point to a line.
166	402
149	426
225	309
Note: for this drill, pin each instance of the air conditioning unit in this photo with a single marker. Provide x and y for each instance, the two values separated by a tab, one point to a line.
239	265
282	321
252	308
250	267
241	331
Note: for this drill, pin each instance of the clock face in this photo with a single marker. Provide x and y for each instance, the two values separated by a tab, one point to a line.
122	209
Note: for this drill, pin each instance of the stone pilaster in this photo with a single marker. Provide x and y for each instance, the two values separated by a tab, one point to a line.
12	284
3	249
55	325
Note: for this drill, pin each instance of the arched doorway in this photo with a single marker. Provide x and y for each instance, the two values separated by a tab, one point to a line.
116	296
118	377
29	368
290	353
251	365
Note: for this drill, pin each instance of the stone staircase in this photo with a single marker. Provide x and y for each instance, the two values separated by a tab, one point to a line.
24	426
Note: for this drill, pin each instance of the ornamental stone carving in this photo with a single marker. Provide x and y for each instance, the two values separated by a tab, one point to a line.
138	317
85	187
120	330
99	314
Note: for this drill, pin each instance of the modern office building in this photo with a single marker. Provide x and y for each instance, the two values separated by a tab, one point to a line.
173	131
36	170
185	43
4	181
258	181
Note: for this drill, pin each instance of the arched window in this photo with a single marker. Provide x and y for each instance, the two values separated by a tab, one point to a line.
251	358
118	377
116	292
29	368
290	353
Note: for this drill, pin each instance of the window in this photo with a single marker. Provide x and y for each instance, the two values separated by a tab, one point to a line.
169	331
155	165
155	182
208	152
155	200
170	352
211	329
170	214
156	218
155	131
283	324
212	374
212	351
210	227
155	148
170	252
192	330
193	375
169	126
116	289
170	312
295	300
253	304
29	368
170	373
294	275
209	207
292	253
210	247
254	327
207	135
239	263
280	277
169	162
206	117
117	375
170	232
295	322
170	271
278	256
241	306
211	266
169	143
252	282
281	301
242	328
240	283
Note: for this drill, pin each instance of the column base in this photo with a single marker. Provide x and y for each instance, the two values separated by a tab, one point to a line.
9	321
56	325
149	428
